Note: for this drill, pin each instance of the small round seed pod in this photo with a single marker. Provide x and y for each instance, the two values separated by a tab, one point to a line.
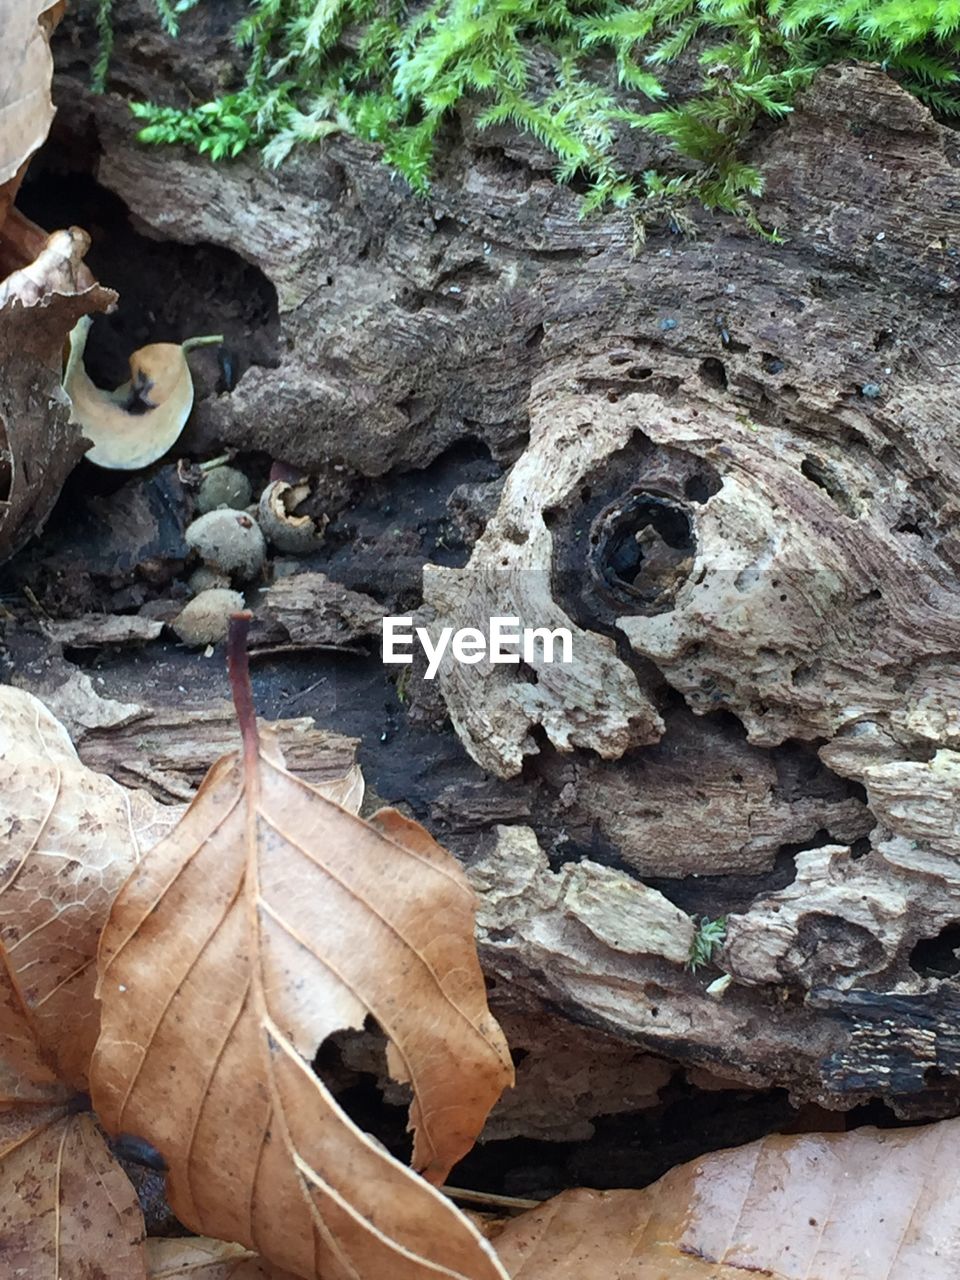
224	487
206	618
230	541
206	579
289	533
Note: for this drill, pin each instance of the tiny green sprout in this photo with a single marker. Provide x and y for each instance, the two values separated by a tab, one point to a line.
709	935
402	685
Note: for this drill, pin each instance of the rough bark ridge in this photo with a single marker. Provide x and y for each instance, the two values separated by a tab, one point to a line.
773	433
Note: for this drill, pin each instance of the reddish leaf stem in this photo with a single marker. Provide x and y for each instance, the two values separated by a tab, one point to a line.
238	667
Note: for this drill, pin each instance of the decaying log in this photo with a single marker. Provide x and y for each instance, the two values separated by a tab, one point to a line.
734	473
594	939
520	894
567	1077
741	805
168	751
309	611
95	630
805	618
841	923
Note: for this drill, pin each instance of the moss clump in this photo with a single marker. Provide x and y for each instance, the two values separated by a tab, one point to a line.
405	68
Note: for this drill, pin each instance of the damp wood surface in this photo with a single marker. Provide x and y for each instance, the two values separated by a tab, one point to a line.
493	393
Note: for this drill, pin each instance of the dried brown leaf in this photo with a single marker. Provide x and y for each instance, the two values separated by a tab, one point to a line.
66	1206
52	264
69	838
197	1258
867	1205
26	109
39	446
284	918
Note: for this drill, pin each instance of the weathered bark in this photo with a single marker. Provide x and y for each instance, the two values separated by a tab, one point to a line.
782	422
166	750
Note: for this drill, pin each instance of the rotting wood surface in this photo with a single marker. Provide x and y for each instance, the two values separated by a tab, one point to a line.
793	412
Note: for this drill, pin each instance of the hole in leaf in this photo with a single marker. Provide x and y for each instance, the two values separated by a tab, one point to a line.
353	1066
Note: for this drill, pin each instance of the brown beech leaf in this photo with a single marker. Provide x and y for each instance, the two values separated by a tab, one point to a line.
198	1258
26	109
867	1205
40	302
67	1209
69	838
282	918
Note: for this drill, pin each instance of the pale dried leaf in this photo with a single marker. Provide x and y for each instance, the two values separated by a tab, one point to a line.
57	268
39	446
26	109
67	1210
197	1258
285	918
69	838
346	791
868	1205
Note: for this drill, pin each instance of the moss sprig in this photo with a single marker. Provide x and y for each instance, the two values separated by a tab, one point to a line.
575	74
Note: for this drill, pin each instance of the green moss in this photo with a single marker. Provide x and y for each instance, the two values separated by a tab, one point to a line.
405	68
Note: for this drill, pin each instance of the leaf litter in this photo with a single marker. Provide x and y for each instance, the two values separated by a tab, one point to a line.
282	918
267	916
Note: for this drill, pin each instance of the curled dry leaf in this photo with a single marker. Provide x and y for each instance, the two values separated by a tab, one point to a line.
44	289
57	268
26	109
197	1258
865	1205
285	918
138	422
69	839
39	305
